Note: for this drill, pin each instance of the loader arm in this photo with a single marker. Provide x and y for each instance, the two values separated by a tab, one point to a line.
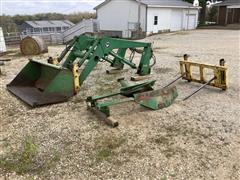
92	49
41	83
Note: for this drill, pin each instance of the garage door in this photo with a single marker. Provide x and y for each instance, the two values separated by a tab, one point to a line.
190	22
176	20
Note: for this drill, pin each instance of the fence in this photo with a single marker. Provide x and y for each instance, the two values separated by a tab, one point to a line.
89	25
12	38
15	38
53	38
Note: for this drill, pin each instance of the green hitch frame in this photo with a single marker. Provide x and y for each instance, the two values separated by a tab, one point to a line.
142	93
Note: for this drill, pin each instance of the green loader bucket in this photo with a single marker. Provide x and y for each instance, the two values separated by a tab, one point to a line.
41	84
157	99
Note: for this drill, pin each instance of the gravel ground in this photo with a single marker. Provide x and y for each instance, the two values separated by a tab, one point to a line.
194	139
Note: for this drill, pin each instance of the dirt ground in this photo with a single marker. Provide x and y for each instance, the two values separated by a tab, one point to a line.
194	139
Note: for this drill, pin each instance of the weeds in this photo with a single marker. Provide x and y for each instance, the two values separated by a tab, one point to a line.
103	154
106	147
20	162
167	141
27	160
164	178
162	140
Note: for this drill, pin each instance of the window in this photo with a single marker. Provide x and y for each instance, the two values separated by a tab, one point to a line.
51	29
59	29
36	30
45	29
155	20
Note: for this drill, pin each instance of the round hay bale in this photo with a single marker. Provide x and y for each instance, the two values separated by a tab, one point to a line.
33	46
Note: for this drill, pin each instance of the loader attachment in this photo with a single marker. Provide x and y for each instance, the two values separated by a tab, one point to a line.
143	94
41	83
157	99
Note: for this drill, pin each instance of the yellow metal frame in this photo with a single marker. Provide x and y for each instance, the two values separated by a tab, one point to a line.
76	78
55	61
219	72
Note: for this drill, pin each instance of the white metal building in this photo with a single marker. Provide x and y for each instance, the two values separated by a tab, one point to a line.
45	27
50	30
124	17
2	42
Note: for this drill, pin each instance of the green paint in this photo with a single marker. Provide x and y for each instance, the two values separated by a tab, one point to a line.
117	63
42	83
157	99
127	90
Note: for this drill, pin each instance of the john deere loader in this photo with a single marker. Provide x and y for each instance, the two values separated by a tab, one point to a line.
56	80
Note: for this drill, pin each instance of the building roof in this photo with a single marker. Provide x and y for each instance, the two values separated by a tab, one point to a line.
228	3
168	3
156	3
55	23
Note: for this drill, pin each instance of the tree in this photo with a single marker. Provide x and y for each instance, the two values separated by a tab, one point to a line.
212	14
10	23
203	4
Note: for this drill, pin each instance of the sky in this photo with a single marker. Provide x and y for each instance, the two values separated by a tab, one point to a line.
13	7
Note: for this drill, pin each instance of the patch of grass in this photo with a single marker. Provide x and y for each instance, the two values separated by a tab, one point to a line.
11	112
167	142
52	113
26	159
173	174
131	151
172	151
162	140
96	126
103	154
22	161
106	147
164	178
50	162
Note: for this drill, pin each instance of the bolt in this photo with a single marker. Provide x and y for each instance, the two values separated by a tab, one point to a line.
185	57
222	62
